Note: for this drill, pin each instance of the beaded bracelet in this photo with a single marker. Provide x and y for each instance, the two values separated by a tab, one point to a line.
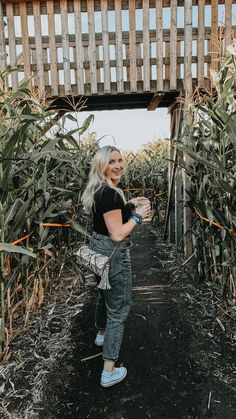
136	218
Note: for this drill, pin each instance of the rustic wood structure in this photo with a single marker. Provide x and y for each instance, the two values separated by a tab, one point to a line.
118	54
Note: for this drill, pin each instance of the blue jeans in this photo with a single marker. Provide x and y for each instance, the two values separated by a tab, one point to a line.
113	305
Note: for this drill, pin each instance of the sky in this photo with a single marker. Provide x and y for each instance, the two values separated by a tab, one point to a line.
128	130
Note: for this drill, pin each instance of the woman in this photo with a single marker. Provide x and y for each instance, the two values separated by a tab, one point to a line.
113	222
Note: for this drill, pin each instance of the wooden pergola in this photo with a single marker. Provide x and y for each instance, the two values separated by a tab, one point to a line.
118	54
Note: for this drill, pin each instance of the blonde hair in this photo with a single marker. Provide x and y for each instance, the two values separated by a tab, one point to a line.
97	177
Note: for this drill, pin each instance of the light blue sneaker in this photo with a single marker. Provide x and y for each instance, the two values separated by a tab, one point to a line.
109	379
99	340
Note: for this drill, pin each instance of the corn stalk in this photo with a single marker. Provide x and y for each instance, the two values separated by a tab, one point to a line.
212	174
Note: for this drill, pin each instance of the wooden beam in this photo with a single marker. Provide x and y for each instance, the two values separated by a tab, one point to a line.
155	102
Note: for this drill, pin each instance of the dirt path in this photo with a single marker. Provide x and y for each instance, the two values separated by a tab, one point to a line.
176	368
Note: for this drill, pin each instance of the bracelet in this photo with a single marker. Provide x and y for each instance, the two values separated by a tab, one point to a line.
138	219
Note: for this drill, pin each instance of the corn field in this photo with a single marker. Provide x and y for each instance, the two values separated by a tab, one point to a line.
43	173
211	146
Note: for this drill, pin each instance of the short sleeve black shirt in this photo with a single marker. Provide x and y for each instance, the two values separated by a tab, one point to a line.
107	199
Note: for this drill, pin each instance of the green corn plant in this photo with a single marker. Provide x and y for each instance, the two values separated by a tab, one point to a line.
211	144
42	177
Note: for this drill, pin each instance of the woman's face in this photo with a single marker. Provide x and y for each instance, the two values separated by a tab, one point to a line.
115	167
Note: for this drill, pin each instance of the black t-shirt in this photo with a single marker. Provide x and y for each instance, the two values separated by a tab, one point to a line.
107	199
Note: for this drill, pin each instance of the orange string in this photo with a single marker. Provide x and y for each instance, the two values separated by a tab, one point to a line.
161	193
232	232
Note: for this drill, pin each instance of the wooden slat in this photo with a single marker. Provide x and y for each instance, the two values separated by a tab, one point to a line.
119	50
98	68
132	47
2	41
228	22
25	40
86	59
52	48
45	73
79	48
139	59
167	57
214	33
146	47
159	45
12	43
34	65
92	47
200	42
106	53
127	59
155	101
173	45
65	47
39	45
178	70
188	48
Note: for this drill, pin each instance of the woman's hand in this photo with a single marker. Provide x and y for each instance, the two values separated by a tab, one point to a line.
144	210
136	201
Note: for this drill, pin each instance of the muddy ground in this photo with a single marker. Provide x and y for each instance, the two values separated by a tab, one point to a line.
179	348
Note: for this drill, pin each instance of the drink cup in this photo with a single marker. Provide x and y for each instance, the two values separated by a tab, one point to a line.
143	202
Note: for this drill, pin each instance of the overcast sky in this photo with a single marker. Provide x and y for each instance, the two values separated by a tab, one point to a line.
129	129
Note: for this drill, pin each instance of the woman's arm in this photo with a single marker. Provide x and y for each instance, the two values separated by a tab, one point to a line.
117	230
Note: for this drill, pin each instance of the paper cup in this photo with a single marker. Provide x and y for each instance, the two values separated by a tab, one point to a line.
143	202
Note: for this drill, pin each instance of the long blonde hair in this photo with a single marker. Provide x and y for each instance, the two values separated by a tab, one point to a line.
97	177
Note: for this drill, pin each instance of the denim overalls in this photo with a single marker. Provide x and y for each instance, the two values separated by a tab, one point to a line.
113	304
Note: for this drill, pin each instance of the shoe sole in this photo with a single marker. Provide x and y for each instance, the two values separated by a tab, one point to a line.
98	344
112	383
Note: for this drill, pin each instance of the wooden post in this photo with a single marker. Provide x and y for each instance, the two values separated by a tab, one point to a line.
188	93
171	176
178	183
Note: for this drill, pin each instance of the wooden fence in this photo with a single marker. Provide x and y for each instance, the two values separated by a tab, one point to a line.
113	46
